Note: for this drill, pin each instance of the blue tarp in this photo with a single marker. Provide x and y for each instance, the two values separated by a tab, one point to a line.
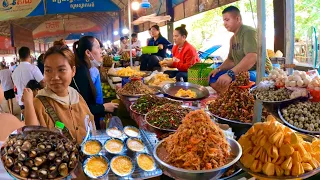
176	2
77	6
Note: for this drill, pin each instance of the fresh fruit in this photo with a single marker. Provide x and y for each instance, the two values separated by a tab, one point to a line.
274	150
107	91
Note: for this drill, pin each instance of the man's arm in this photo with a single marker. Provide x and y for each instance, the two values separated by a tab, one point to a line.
246	63
226	65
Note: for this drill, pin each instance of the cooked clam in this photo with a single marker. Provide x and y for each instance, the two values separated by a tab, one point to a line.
53	174
16	169
65	156
58	161
22	156
8	161
52	155
10	150
41	146
18	143
43	173
24	171
35	168
48	147
34	174
69	146
29	163
72	164
63	169
38	161
18	163
17	150
60	148
33	153
26	146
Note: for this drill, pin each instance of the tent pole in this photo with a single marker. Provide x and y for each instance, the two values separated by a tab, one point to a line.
130	32
261	57
289	33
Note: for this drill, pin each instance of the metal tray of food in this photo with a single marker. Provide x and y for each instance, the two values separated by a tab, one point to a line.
306	175
287	101
169	130
292	126
147	73
172	88
31	131
227	121
139	95
138	173
131	109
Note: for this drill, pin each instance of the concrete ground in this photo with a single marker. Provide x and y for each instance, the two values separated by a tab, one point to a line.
16	108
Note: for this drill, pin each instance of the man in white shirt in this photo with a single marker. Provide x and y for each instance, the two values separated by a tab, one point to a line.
7	86
12	66
136	44
24	73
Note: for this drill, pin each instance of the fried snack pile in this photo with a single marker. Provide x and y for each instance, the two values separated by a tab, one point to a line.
186	93
275	150
236	103
198	144
135	87
160	79
129	72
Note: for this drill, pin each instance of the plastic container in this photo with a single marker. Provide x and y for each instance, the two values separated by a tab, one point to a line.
116	58
315	95
150	49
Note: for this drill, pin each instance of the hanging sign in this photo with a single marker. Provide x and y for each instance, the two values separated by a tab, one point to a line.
21	37
65	26
73	6
13	9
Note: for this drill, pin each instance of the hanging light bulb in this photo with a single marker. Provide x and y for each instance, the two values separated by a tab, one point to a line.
125	31
135	5
115	33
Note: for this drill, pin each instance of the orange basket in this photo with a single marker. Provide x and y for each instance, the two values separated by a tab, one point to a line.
251	83
315	95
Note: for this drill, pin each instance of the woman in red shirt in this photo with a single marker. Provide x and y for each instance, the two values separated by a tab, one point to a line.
184	55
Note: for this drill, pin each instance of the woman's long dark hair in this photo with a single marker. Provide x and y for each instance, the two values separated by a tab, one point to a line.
157	27
79	49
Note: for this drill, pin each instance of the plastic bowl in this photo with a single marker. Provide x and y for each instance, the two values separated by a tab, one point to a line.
150	49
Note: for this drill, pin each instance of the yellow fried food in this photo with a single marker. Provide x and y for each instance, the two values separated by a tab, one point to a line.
128	71
186	93
158	79
278	150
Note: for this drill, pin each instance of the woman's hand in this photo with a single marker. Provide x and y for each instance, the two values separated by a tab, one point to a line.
110	107
27	97
160	46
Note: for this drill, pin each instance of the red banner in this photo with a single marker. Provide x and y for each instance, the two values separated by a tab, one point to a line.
21	37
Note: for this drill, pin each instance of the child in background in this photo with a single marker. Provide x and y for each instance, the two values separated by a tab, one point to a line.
34	86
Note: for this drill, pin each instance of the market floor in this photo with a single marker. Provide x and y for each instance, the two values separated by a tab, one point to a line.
16	108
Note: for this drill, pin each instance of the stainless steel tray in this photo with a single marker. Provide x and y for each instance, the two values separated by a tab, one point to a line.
138	173
147	73
227	121
172	88
292	126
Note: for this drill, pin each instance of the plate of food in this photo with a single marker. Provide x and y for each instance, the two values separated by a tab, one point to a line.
187	153
136	88
147	102
185	91
128	72
167	117
39	153
271	150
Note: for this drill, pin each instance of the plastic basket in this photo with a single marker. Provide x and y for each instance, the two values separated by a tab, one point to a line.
150	49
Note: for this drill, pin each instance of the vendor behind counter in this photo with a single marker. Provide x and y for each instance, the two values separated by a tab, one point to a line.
184	55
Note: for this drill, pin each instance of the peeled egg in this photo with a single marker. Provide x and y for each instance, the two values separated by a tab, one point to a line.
293	83
290	78
306	82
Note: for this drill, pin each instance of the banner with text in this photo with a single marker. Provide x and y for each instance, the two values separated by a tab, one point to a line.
13	9
66	26
73	6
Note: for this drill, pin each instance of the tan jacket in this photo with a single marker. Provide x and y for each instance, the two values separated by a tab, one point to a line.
71	111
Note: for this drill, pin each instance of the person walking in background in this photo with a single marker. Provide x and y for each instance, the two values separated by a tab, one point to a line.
7	86
12	66
150	62
24	73
40	63
88	51
136	44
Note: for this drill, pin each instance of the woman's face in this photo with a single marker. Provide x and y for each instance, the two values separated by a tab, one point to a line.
58	74
177	38
96	51
154	32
